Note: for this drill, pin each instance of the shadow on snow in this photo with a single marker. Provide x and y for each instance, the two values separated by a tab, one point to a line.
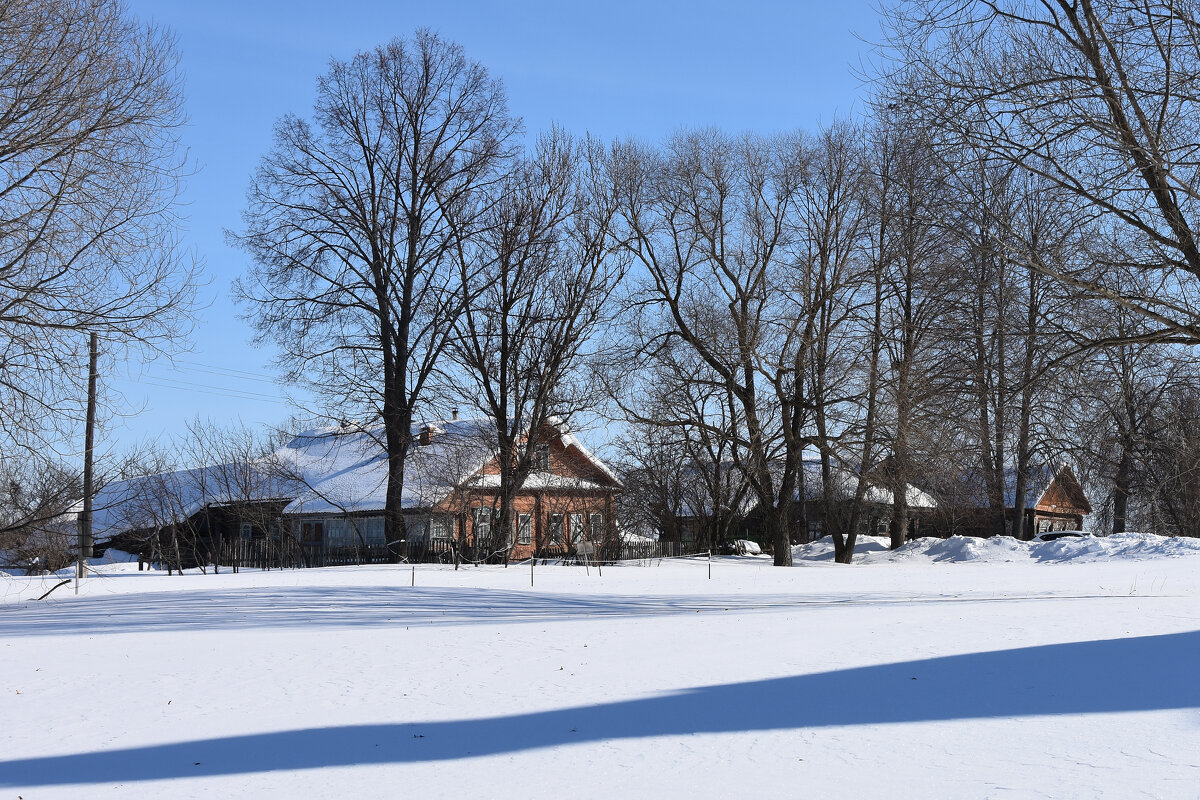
355	606
1147	673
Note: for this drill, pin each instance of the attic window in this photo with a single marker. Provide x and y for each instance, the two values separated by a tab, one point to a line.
541	458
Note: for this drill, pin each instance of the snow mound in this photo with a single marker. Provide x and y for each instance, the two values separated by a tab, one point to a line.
966	548
114	556
822	549
1001	549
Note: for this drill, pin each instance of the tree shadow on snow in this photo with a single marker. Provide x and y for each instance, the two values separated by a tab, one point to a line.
1147	673
355	606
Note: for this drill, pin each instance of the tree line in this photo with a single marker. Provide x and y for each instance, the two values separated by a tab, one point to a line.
994	267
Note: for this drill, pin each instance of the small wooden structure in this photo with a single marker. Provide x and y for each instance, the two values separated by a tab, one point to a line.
1054	501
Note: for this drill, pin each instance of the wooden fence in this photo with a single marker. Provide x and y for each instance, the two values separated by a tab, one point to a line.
238	554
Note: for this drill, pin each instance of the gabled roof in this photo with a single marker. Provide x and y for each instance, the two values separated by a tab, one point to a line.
846	484
151	501
326	470
970	490
345	469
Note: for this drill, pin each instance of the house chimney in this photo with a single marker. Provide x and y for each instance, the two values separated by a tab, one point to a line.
428	431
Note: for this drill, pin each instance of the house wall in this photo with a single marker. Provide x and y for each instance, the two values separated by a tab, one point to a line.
544	510
202	533
455	515
873	516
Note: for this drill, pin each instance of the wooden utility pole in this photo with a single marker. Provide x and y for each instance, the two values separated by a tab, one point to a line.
89	439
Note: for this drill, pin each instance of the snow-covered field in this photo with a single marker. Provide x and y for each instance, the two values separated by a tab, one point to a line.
949	669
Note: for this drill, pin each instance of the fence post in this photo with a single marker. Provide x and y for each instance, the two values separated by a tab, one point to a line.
710	565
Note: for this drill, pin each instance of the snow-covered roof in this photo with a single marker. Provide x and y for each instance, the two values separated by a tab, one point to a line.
536	481
325	470
845	484
150	501
971	491
346	469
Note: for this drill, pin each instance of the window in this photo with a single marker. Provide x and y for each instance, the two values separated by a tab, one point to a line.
371	529
357	531
596	533
312	532
556	528
441	527
576	529
525	529
483	523
816	529
541	458
247	531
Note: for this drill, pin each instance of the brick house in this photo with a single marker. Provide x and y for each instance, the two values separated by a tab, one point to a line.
450	492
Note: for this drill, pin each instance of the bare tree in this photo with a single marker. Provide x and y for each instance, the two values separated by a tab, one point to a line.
1099	99
909	251
709	221
1116	405
836	349
1008	325
1172	462
683	476
37	520
90	166
355	223
536	288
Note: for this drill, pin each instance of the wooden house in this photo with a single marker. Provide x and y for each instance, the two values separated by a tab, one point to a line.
320	500
1054	501
450	492
808	514
187	517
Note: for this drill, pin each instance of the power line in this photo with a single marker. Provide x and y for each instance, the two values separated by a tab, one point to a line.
215	390
193	384
216	368
220	374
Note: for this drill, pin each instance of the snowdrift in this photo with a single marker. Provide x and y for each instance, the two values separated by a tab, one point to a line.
998	549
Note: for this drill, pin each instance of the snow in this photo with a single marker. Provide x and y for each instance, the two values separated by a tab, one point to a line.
345	469
155	500
948	669
538	481
1002	549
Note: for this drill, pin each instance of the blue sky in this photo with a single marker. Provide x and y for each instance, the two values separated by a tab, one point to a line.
615	69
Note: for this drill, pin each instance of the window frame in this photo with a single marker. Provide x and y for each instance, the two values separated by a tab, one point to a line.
541	458
483	520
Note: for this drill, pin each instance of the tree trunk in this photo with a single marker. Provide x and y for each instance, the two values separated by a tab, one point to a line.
1121	490
776	524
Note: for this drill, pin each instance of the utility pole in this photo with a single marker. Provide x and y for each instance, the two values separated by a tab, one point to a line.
89	439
